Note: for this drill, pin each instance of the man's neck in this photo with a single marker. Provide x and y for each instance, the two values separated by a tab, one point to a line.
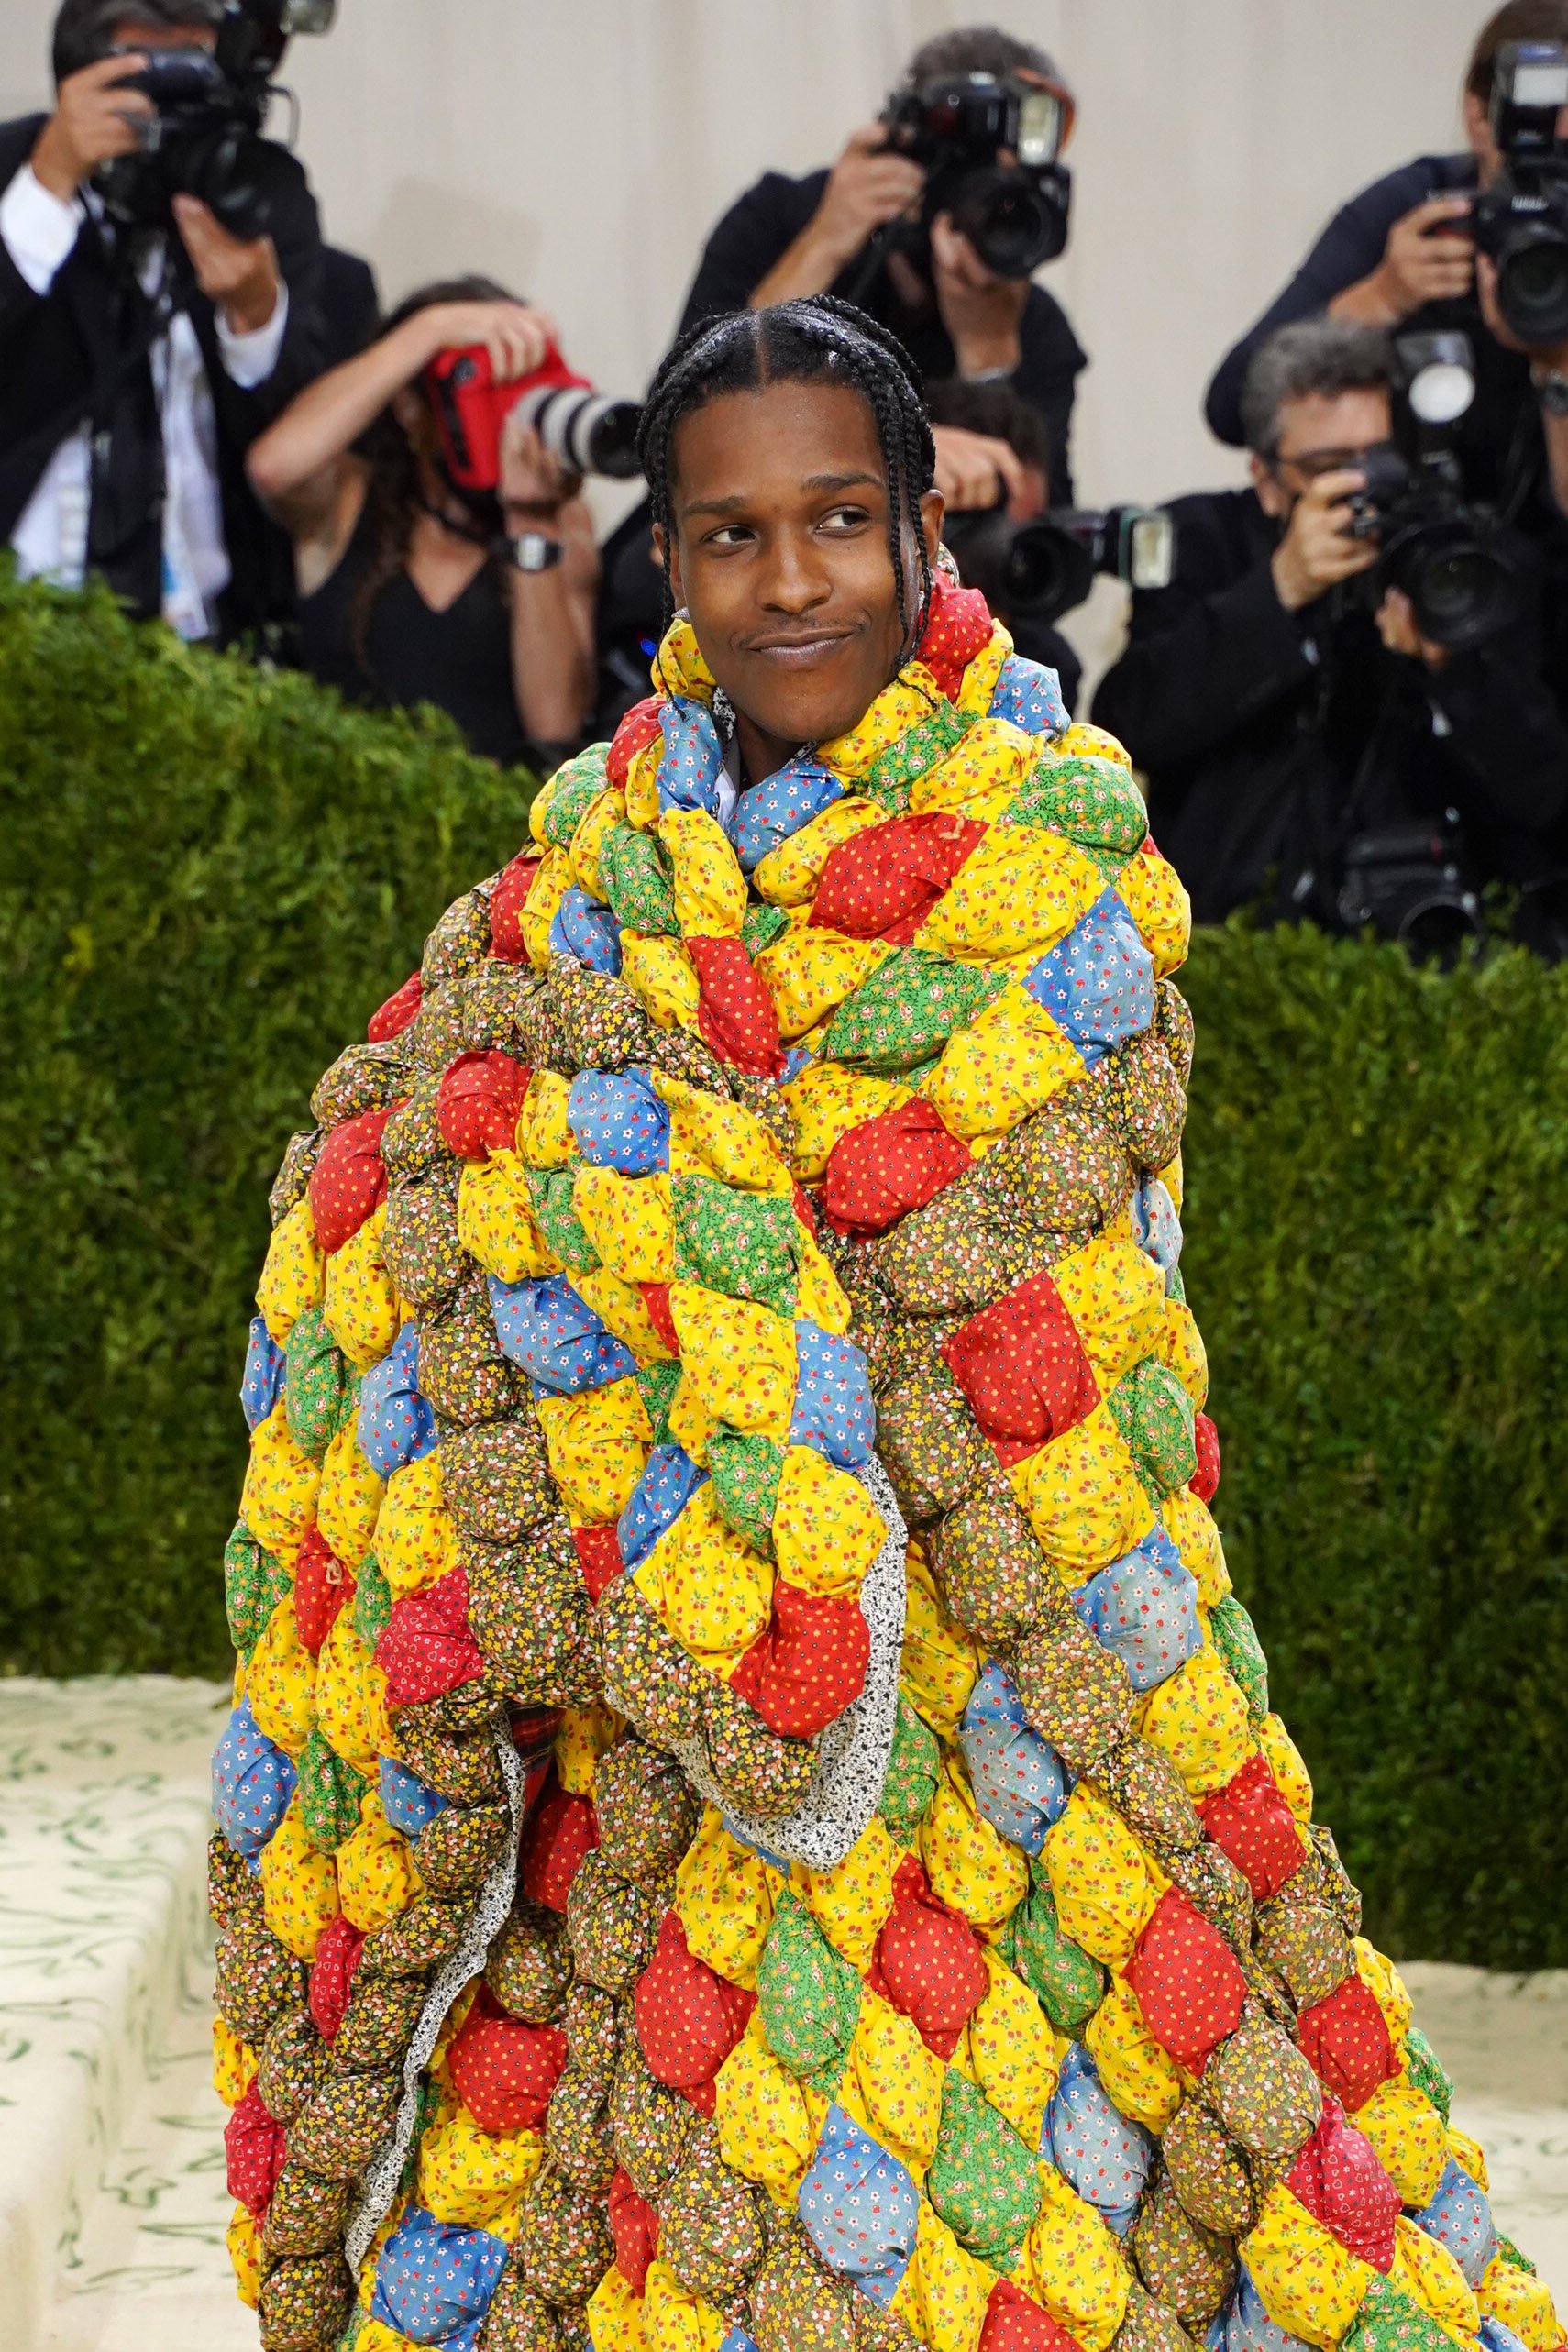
763	754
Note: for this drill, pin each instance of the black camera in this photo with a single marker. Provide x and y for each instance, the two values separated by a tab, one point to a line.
1521	220
1035	571
1014	215
1409	882
205	138
1446	553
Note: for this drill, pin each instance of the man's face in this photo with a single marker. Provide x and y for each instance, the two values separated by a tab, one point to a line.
1484	139
780	501
1321	433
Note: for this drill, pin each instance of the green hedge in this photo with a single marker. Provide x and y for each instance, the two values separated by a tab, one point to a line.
209	880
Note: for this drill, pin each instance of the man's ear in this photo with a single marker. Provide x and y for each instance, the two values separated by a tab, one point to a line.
932	507
660	541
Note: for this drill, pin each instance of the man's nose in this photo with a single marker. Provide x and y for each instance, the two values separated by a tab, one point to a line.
795	578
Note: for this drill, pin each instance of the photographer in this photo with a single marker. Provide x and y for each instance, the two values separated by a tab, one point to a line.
857	230
1000	461
413	589
142	346
1401	254
1284	715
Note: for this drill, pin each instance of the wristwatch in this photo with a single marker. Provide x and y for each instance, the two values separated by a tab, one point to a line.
534	551
1552	390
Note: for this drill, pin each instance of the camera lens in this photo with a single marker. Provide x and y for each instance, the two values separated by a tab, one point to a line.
1048	572
586	431
1461	591
1013	222
1532	288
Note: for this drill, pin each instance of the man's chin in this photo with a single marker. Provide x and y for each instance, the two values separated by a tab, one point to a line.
812	709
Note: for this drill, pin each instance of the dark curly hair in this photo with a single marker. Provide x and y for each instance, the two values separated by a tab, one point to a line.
815	341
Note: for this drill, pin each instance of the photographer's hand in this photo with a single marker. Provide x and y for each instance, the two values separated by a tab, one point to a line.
869	185
1397	627
1422	262
981	312
1317	551
975	470
239	278
93	119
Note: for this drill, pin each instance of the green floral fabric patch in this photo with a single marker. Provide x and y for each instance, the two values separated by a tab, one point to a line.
1063	1978
891	774
808	1998
550	1190
914	1763
634	876
903	1014
983	2181
745	1473
319	1389
1153	1413
1236	1640
740	1242
330	1791
1090	801
254	1582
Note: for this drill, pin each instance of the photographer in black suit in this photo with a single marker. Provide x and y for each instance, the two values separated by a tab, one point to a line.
142	346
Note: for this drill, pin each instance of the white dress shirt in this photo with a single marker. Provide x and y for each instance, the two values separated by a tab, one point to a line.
39	230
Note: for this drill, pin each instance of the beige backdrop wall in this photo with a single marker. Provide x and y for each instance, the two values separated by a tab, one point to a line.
582	149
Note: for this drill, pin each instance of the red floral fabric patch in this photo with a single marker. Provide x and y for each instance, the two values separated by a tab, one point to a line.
1339	2179
888	1165
1022	1367
688	2017
1347	2041
882	883
735	1014
507	901
1188	1981
928	1961
504	2070
558	1832
426	1649
392	1017
322	1586
1250	1820
477	1103
804	1672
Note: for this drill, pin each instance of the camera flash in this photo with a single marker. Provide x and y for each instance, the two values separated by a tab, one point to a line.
1441	392
1039	128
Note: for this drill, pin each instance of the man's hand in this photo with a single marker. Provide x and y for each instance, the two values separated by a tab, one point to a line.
94	118
1397	627
239	278
981	312
1423	262
516	335
535	486
1317	551
869	185
973	469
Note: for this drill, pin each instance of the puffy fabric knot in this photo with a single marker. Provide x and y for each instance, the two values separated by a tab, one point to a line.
735	1012
882	883
433	2281
1188	1981
859	2207
504	2070
549	1329
1338	2180
633	2225
1250	1820
322	1586
1205	1481
670	1480
426	1649
832	1412
890	1164
1156	1226
1346	2041
1028	695
332	1973
1022	1367
688	2017
598	1558
1245	2326
507	901
253	2150
390	1020
261	1382
477	1103
809	1665
768	813
618	1121
585	929
957	627
560	1830
1460	2218
1020	1782
1144	1607
1097	984
395	1424
349	1182
410	1803
638	728
1106	2157
252	1782
691	765
929	1962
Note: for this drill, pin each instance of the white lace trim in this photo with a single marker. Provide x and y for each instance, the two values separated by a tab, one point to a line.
384	2170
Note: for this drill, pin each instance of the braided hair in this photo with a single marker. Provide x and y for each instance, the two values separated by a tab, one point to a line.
816	339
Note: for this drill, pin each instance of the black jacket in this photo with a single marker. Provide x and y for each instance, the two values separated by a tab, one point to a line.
78	352
1267	737
763	225
1500	440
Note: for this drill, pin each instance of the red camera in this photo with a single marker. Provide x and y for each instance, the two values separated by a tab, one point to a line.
586	431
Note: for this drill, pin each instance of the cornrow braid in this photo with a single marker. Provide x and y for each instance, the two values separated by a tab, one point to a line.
816	339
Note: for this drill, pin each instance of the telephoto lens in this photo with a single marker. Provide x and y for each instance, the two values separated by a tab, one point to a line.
588	431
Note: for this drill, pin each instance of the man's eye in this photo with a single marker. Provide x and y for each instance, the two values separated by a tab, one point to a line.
845	518
728	534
